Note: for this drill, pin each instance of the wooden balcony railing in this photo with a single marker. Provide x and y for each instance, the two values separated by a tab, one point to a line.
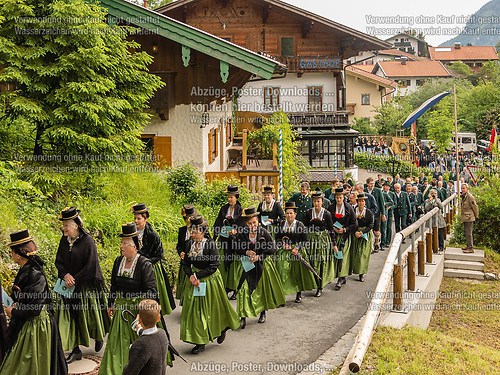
318	119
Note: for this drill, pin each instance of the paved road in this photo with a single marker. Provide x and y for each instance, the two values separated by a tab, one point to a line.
293	336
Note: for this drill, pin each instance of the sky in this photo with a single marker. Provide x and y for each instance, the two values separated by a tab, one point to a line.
439	17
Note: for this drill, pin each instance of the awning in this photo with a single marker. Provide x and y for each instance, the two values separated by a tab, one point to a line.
423	108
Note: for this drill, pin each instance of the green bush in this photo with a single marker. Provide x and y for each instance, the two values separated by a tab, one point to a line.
183	179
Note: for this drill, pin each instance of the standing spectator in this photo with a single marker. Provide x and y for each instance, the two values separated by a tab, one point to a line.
401	208
431	203
386	227
469	213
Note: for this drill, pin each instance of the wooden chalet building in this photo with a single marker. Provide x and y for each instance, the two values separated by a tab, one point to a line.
192	115
313	93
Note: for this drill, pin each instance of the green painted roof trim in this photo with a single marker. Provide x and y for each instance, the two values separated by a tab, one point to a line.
194	38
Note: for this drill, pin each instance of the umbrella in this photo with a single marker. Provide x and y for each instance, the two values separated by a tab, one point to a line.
301	259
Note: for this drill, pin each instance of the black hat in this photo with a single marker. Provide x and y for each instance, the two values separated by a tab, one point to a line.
339	191
69	213
350	182
20	237
317	194
198	221
361	196
290	205
140	208
232	190
268	189
250	212
188	210
128	230
386	183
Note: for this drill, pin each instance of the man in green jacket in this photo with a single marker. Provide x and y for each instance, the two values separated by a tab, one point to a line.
386	226
401	208
382	211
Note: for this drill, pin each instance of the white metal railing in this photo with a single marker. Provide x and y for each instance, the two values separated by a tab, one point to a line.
426	227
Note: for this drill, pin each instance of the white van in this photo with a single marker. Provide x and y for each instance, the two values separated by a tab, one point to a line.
466	142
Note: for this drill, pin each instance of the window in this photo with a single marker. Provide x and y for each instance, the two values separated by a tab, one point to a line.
328	153
404	82
315	98
287	47
420	82
365	99
271	98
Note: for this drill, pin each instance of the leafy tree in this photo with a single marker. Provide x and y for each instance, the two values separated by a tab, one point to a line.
461	68
391	115
364	126
440	127
80	87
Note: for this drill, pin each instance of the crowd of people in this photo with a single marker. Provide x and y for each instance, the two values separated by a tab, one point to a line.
254	255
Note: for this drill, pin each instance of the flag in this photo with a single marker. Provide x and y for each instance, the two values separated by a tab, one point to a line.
492	139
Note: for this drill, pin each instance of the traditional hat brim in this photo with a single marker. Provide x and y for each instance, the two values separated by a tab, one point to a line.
141	211
69	218
232	192
21	241
251	215
128	234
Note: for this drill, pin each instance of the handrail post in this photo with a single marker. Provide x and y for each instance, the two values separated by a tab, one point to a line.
421	258
411	270
435	242
428	247
397	303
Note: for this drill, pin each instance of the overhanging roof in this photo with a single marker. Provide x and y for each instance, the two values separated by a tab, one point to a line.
376	43
194	38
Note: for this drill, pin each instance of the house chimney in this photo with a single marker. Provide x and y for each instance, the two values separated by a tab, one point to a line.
404	59
458	45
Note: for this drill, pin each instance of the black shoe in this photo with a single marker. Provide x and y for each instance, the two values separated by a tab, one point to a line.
362	278
233	296
374	251
319	292
343	280
74	356
198	349
338	285
262	317
222	336
243	323
298	297
98	346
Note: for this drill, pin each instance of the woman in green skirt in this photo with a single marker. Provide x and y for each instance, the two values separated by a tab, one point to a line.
33	343
81	315
362	240
225	228
151	247
318	220
260	288
206	312
344	225
183	236
292	241
132	280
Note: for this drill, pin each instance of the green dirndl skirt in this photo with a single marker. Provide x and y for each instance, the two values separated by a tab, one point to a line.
181	279
222	267
321	256
361	250
234	274
163	291
121	336
268	295
294	276
346	262
204	318
92	320
31	352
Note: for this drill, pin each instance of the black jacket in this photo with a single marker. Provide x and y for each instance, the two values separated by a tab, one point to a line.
142	284
207	263
81	261
264	246
152	247
348	221
298	235
147	355
31	293
235	221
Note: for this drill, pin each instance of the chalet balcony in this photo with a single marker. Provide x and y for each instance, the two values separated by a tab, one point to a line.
300	64
318	120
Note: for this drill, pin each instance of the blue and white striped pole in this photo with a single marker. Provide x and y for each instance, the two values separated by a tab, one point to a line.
280	153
